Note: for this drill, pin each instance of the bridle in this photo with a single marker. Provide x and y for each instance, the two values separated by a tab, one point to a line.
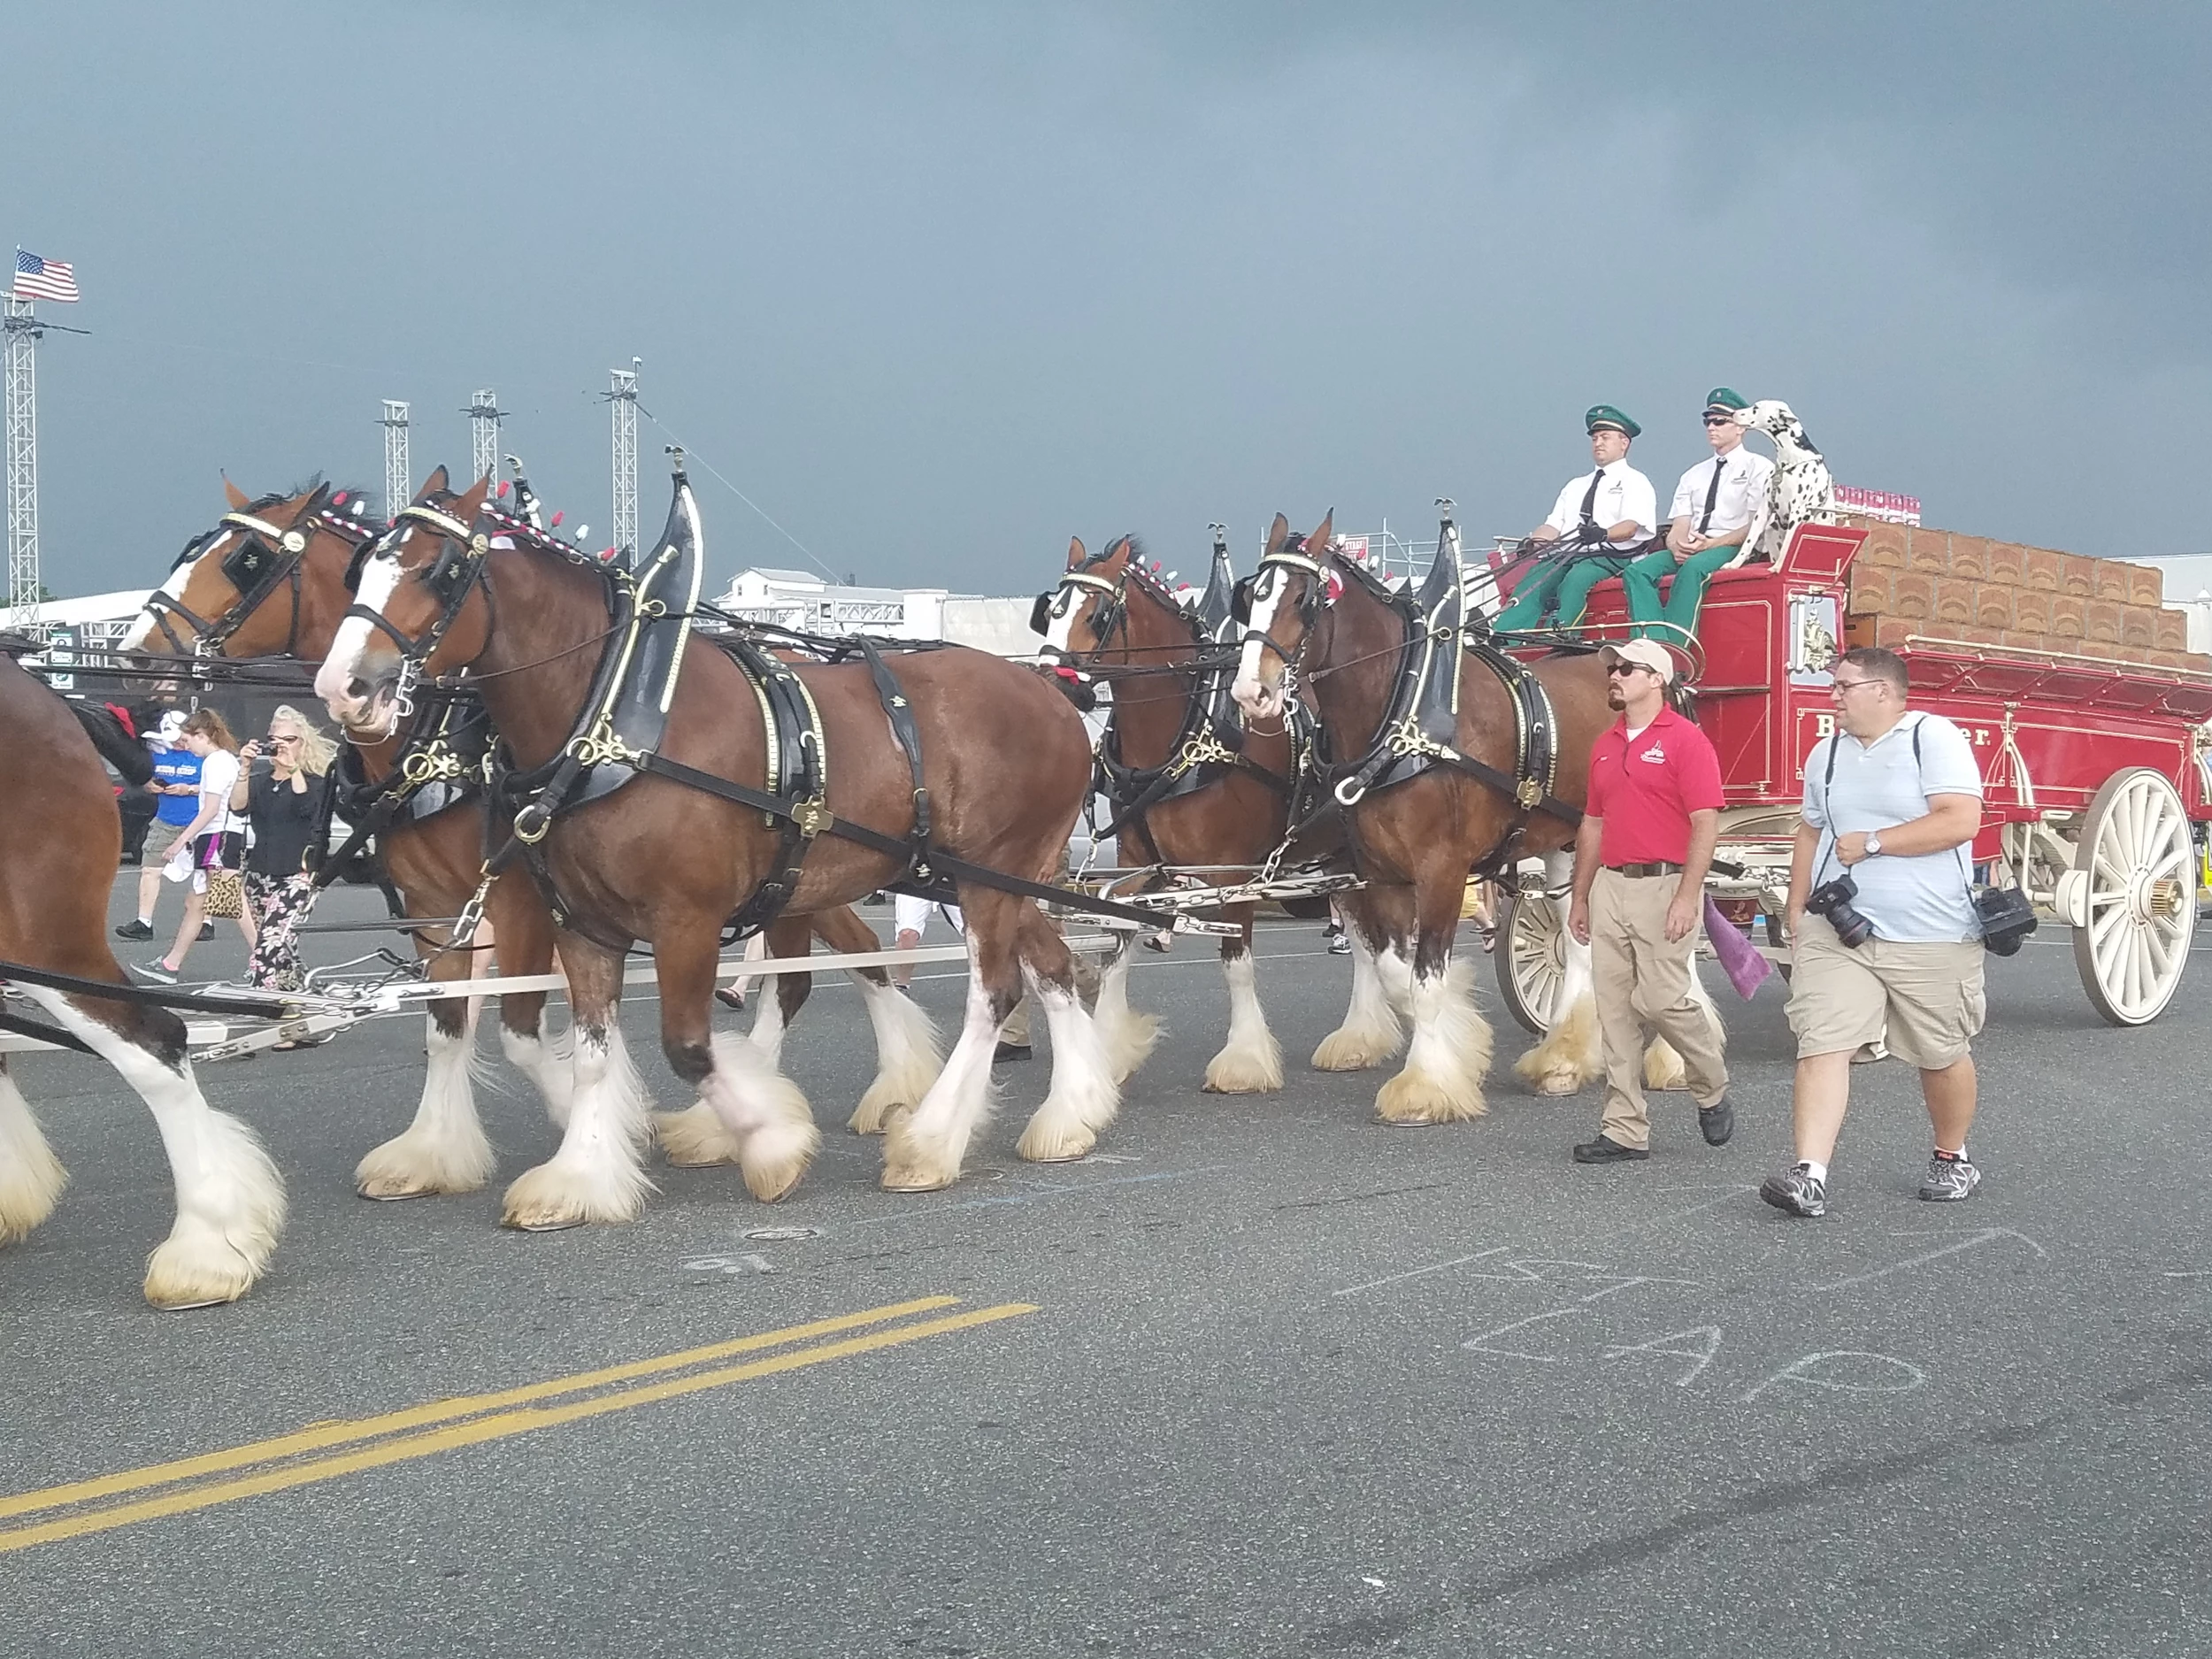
1292	555
264	557
1112	614
456	572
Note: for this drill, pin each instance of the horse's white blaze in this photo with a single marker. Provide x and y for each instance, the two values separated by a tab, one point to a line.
380	580
1058	628
1252	695
1450	1052
907	1060
764	1113
1128	1035
1370	1033
550	1062
597	1174
143	633
1084	1097
1251	1062
923	1148
31	1177
444	1149
230	1199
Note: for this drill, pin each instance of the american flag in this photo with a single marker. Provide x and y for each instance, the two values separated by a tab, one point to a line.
37	279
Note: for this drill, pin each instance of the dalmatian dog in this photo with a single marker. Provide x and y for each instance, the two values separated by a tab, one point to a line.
1800	491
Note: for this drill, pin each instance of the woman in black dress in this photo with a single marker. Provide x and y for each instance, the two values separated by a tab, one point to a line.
279	790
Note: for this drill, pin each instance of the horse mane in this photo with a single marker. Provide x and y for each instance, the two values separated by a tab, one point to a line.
1395	598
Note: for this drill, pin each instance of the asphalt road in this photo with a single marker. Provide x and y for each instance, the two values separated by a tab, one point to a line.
1259	1378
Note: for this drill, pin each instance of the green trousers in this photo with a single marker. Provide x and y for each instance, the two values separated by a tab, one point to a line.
1641	579
1562	588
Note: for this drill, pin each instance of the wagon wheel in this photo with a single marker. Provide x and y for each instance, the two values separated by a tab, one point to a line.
1533	960
2136	896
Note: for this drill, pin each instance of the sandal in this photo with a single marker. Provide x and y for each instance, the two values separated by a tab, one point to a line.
730	998
1489	938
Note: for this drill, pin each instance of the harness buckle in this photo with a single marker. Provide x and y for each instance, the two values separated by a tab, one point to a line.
532	821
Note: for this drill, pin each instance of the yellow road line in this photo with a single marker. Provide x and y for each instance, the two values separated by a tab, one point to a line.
344	1431
479	1430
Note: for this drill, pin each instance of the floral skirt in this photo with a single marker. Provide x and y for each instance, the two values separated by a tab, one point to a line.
279	905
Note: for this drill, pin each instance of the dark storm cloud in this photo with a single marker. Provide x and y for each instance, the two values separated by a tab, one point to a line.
938	286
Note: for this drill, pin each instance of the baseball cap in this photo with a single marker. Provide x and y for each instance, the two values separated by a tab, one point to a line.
1650	653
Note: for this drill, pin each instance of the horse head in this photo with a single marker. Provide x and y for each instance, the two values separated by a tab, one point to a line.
243	588
1280	606
417	584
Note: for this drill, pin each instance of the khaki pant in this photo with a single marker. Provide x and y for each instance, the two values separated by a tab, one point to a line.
1643	983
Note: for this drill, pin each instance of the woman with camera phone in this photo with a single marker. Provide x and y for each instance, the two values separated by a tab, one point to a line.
1886	940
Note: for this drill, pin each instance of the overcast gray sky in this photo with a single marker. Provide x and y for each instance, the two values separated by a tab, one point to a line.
939	286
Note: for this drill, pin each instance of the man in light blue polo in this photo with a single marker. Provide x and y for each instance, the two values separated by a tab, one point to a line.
1893	800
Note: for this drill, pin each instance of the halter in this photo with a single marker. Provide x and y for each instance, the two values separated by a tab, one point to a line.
456	573
1112	614
1291	555
264	557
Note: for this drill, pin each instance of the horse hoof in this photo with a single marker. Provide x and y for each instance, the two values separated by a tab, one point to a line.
175	1284
777	1157
1350	1051
1413	1100
695	1139
914	1180
397	1195
1243	1074
1554	1082
544	1224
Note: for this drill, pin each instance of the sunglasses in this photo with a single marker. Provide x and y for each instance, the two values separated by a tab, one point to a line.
275	738
1719	420
1627	668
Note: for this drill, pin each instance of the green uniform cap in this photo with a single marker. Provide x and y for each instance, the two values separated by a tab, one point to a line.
1605	415
1723	397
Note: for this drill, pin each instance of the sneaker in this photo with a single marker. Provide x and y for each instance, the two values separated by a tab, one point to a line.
1948	1180
135	929
1605	1149
1796	1191
207	932
159	971
1717	1122
1339	943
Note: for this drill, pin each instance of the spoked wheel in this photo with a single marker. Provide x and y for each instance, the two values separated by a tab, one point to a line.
1532	961
2136	896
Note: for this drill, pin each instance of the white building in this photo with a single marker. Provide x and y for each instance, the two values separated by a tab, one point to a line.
812	604
101	620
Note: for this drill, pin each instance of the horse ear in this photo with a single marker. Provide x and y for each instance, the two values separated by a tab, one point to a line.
238	498
436	483
1117	548
1076	552
1277	533
467	506
1319	540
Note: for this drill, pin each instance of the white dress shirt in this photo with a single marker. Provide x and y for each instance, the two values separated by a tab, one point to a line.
1623	494
1744	473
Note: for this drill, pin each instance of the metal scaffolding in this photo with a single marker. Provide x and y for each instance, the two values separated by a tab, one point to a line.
623	397
23	332
398	490
484	414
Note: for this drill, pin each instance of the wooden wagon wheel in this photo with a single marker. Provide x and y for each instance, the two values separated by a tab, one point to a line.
2132	896
1531	957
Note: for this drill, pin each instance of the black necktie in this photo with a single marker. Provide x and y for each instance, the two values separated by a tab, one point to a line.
1712	492
1590	501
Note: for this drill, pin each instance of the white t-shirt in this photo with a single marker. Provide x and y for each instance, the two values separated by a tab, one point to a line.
218	773
1925	899
1624	494
1744	473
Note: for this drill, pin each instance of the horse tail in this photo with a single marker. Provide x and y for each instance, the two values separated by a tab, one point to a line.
114	741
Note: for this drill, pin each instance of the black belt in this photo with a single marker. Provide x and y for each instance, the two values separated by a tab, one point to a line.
1662	868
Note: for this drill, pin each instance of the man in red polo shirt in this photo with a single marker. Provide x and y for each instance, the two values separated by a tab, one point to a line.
1640	856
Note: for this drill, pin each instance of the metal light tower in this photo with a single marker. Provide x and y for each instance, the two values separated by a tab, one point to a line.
397	490
623	396
23	332
484	414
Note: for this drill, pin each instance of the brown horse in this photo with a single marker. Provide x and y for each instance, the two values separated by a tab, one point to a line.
1329	623
1224	796
58	822
270	579
1007	766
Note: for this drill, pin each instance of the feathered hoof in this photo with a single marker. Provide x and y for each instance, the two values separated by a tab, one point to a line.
1415	1098
1130	1039
1662	1067
777	1155
406	1167
196	1267
1550	1075
1054	1142
552	1197
1241	1073
1344	1049
27	1196
887	1099
696	1138
910	1165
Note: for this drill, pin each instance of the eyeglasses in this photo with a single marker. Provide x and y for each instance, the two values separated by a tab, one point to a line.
1851	685
277	737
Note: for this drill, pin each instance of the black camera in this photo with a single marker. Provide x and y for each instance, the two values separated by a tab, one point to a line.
1832	900
2007	919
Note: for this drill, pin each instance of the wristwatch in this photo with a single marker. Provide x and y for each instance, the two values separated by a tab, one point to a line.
1873	845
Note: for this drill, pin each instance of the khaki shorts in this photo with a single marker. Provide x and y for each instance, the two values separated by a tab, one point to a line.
161	840
1925	1000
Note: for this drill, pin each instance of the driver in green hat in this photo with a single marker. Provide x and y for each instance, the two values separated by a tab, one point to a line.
1714	506
1599	513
